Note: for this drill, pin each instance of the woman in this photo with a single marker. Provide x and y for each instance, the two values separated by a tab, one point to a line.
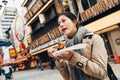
87	64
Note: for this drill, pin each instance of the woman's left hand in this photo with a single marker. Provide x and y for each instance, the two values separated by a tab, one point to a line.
66	55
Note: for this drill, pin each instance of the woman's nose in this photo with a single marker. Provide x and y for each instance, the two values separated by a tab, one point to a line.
61	25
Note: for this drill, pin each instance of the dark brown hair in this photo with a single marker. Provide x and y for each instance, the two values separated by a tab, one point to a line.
69	15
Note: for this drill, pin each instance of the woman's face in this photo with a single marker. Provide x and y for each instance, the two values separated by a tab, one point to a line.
67	26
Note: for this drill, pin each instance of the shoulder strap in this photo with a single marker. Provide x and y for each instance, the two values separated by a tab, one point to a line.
111	73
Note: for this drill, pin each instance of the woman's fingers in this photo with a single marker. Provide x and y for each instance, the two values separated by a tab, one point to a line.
51	52
66	56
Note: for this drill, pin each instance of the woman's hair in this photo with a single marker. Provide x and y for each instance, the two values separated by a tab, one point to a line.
71	16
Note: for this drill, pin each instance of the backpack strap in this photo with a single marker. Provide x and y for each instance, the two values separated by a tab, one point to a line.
111	73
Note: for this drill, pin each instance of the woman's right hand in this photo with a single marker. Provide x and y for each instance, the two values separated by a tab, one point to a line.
51	51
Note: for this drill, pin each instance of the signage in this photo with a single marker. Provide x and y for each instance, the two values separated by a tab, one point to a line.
12	52
19	29
1	59
98	8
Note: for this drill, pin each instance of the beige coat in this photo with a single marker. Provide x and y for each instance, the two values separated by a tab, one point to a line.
95	65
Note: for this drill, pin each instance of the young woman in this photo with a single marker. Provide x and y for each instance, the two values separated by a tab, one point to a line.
82	64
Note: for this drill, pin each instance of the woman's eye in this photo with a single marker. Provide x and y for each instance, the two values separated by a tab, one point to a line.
63	20
58	25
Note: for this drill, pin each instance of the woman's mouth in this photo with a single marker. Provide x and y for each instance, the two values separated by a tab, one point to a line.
64	29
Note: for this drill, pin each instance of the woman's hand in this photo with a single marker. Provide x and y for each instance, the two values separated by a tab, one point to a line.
51	51
66	55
